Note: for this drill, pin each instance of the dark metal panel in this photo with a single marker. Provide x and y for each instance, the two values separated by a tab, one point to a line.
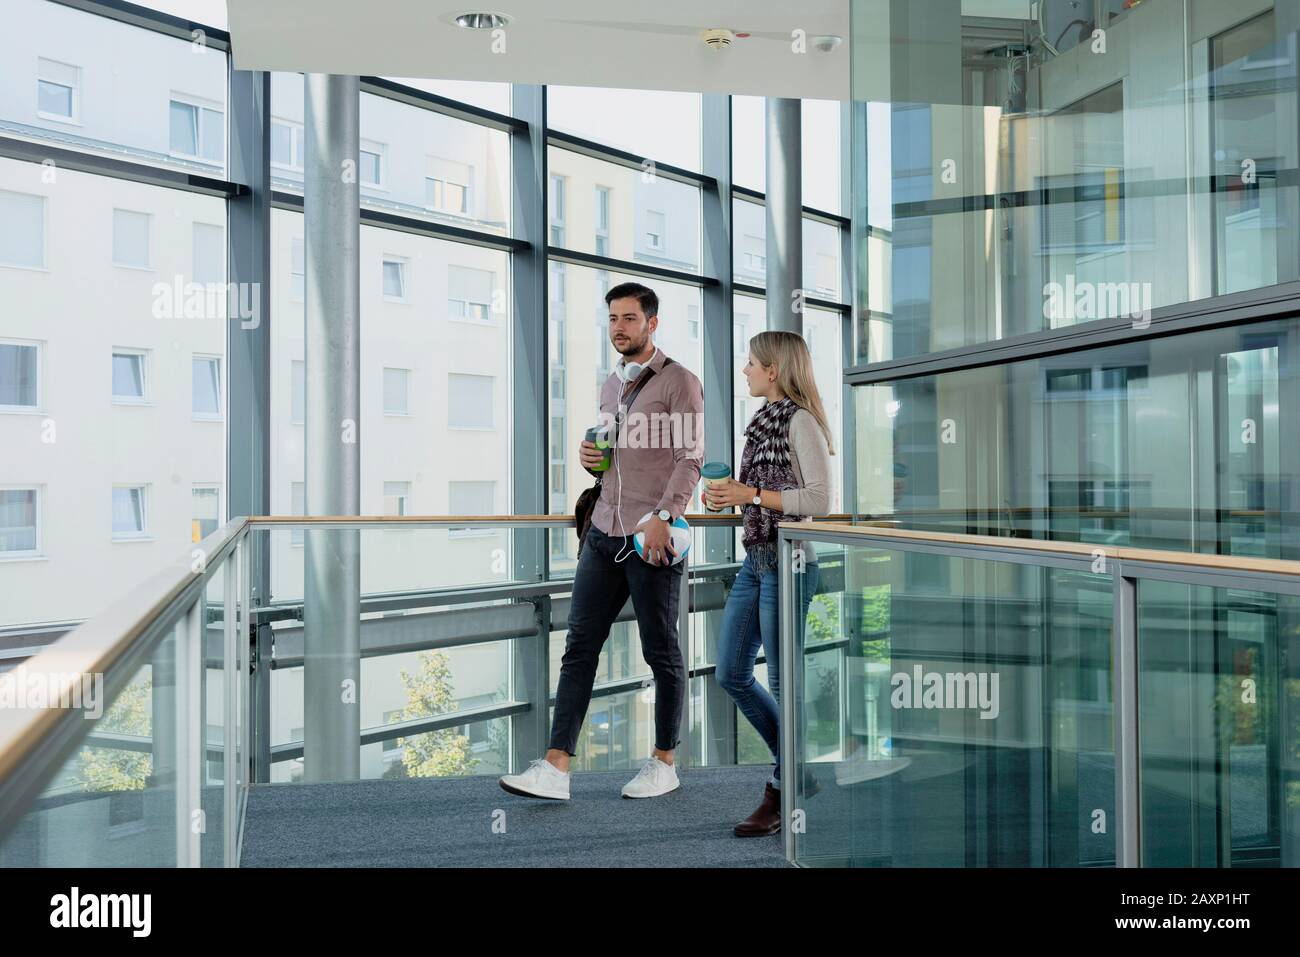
34	151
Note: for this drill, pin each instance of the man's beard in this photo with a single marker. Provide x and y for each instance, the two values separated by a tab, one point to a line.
629	350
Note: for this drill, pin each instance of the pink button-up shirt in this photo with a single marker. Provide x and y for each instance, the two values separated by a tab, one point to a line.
660	447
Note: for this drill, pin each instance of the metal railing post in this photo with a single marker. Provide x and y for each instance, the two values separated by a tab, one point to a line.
530	730
260	706
230	704
189	737
682	756
1124	661
790	681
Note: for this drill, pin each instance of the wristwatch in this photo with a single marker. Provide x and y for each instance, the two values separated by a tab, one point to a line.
758	495
664	515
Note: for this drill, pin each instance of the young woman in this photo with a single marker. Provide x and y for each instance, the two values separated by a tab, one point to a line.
784	475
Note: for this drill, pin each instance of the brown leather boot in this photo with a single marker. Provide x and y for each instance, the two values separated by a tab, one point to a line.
766	819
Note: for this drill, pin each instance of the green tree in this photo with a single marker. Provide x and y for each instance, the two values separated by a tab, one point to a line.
435	753
114	769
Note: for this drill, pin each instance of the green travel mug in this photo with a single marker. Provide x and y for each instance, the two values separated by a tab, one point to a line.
599	435
714	473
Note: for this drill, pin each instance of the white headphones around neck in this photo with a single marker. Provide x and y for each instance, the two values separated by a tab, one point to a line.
631	371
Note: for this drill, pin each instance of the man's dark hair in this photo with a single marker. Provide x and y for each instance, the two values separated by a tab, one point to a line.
634	290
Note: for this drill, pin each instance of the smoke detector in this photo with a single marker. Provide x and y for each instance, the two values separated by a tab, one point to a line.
717	38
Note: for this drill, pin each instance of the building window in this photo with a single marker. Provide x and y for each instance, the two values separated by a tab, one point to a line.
297	269
393	750
693	322
197	130
209	253
130	383
205	511
471	498
286	145
739	336
19	533
396	495
372	164
755	253
559	480
602	330
207	387
469	293
57	90
602	220
469	401
20	364
129	516
446	186
297	506
297	391
22	240
396	396
130	239
654	234
557	210
394	279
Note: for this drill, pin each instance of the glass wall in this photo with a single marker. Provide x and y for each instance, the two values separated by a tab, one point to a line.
1026	174
114	372
1176	442
955	712
113	304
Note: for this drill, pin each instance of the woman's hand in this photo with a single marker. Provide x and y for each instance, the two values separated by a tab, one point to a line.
733	493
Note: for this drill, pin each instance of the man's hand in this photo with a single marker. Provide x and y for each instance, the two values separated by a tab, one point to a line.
590	456
658	548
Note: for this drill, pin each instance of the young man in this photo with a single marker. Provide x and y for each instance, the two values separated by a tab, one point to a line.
655	467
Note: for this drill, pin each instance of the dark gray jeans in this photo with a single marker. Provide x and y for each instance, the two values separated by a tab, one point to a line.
600	589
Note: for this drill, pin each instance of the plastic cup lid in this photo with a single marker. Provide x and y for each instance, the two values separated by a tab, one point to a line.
713	470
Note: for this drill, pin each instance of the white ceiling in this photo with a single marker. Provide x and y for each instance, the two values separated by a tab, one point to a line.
601	43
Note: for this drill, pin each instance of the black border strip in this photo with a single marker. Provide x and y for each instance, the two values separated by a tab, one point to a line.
410	224
34	151
153	20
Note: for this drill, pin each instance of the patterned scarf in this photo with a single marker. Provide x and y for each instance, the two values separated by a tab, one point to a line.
765	464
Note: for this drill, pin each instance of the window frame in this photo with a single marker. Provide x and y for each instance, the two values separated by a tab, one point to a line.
145	377
198	103
400	262
379	150
143	534
297	145
148	241
74	100
203	487
44	259
492	408
37	553
220	414
383	391
39	346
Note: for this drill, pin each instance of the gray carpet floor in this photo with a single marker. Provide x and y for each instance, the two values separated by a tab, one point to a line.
450	823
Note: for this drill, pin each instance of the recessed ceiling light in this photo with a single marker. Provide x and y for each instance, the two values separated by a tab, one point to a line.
481	21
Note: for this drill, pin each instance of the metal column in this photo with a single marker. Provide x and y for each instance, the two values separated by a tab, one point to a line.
784	215
332	335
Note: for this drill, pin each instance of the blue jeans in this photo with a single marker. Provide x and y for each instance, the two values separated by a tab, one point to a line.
750	620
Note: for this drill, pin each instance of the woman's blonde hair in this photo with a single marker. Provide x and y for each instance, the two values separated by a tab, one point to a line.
794	372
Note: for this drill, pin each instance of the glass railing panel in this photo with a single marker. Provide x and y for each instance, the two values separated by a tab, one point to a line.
433	637
964	721
114	801
1218	696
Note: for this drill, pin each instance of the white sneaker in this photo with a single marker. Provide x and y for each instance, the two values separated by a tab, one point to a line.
654	778
541	780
